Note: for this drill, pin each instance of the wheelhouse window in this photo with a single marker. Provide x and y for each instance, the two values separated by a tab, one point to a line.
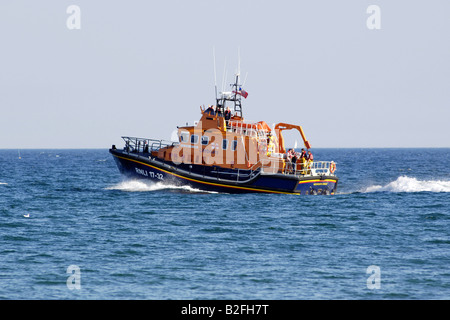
184	137
234	145
224	144
194	139
205	140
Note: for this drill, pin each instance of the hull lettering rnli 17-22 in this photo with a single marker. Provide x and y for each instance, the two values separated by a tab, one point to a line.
222	152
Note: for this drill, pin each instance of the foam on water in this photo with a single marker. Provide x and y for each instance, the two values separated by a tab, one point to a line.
407	184
143	186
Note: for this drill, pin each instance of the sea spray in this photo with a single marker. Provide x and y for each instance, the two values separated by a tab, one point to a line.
144	186
409	184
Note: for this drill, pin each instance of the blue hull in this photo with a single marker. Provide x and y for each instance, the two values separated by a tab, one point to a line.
210	178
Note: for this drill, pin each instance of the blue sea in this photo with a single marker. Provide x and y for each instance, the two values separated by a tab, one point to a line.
71	228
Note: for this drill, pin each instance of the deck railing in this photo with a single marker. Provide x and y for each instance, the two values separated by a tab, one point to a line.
144	145
309	168
247	128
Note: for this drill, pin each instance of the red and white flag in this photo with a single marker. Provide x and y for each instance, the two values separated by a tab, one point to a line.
242	93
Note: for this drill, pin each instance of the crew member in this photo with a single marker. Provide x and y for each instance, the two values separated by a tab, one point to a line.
303	159
310	160
270	144
219	111
210	110
227	115
294	161
303	154
292	158
290	154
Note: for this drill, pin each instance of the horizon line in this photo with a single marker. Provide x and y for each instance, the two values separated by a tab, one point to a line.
103	148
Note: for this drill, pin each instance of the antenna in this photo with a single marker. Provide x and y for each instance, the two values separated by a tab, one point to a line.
215	75
226	76
239	61
223	77
245	79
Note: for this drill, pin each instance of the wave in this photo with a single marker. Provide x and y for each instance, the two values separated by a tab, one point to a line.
3	183
407	184
143	186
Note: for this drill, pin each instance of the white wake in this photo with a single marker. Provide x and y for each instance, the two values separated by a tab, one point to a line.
407	184
143	186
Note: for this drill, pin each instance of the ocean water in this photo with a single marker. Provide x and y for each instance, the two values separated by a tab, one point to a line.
384	235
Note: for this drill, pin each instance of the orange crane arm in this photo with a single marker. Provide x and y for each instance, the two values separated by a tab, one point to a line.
286	126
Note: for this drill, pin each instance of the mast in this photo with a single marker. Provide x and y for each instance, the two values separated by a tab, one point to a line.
237	98
234	96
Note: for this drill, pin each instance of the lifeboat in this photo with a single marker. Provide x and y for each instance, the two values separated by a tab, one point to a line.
223	152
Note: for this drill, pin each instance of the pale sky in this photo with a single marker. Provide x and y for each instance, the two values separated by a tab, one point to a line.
140	68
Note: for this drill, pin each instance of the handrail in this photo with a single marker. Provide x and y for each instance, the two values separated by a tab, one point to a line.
313	168
248	128
281	166
145	145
